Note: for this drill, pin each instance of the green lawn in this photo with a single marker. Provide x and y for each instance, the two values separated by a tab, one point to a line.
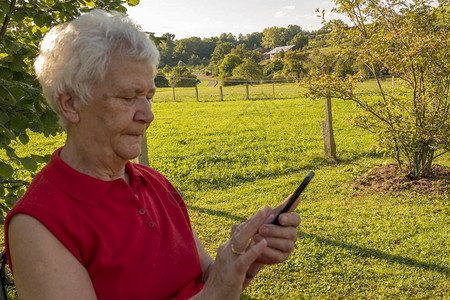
230	158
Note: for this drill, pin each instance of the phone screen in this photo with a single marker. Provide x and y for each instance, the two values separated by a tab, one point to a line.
294	196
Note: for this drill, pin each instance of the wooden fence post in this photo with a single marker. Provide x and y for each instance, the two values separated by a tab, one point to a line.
329	144
173	88
247	94
196	93
221	93
143	157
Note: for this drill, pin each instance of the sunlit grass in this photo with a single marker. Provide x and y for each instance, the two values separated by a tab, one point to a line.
230	158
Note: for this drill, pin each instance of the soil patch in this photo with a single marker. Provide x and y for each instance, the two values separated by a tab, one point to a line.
389	178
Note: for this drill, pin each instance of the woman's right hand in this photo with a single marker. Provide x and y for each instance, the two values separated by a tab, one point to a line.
233	259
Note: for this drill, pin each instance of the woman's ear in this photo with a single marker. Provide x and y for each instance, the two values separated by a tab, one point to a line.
68	105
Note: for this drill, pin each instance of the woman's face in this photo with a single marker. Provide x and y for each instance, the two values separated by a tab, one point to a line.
114	123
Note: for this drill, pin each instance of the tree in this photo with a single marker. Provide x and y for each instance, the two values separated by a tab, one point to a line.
280	54
300	40
344	64
167	69
167	50
274	37
292	31
253	40
228	64
23	108
182	77
255	56
244	53
293	63
241	51
220	51
274	66
161	80
227	38
249	69
410	40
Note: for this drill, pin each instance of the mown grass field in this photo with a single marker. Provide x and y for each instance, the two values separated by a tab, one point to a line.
228	159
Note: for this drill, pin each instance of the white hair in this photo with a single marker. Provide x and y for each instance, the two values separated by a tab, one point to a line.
74	56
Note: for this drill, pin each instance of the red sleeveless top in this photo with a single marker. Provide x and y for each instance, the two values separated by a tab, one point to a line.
135	240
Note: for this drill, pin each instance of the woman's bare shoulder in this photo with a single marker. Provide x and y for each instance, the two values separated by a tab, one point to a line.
41	264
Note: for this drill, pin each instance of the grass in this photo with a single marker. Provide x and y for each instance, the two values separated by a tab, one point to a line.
228	159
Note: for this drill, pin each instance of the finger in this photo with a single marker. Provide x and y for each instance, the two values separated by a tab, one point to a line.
272	256
280	207
282	245
289	219
246	230
244	261
233	229
281	232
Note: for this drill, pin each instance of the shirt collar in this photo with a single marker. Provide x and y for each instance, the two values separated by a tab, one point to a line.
85	188
136	176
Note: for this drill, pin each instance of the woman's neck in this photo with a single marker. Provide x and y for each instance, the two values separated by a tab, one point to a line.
88	160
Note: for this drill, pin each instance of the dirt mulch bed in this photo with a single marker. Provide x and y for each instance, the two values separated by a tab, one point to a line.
389	178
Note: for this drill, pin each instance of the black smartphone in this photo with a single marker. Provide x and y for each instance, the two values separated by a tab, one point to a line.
294	196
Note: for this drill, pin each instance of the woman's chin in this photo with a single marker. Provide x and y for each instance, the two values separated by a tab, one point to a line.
129	153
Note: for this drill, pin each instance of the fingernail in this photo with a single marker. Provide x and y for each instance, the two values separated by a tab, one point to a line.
261	244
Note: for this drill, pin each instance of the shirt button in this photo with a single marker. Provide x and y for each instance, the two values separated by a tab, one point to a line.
150	224
141	211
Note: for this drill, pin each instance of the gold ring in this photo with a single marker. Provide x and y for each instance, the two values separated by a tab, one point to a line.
235	251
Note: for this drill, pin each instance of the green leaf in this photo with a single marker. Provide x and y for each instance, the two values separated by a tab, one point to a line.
6	170
5	73
50	119
3	118
4	5
8	134
10	201
10	151
19	123
36	127
40	158
132	2
38	19
24	139
28	163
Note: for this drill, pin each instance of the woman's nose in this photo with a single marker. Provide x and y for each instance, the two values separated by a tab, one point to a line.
144	111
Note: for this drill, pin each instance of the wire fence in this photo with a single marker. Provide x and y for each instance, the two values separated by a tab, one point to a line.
215	90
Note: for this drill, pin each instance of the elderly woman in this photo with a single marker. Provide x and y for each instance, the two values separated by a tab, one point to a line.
93	225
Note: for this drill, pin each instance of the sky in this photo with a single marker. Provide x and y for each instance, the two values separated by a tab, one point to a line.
188	18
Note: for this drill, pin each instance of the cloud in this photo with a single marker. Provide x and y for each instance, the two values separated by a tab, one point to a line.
280	14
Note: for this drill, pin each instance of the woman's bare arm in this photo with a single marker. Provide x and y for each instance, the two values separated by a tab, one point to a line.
43	267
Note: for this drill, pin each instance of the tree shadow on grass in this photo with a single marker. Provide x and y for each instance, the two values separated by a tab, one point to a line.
217	213
355	249
374	253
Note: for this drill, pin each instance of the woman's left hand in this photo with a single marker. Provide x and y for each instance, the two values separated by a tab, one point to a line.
280	239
